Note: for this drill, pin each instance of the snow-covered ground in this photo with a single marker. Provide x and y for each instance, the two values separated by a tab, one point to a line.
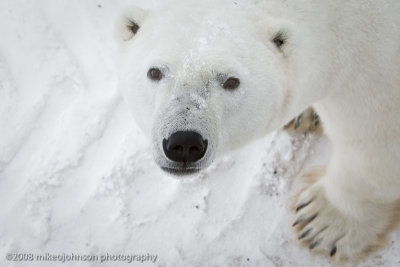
76	175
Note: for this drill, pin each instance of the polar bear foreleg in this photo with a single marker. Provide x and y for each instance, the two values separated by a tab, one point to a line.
343	214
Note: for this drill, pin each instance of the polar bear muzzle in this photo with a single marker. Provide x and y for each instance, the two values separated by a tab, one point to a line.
185	147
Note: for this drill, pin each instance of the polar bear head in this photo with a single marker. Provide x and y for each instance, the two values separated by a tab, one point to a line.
205	77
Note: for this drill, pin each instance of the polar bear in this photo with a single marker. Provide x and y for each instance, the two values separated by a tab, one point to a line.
204	77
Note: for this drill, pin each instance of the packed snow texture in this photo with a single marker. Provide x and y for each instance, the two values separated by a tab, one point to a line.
77	176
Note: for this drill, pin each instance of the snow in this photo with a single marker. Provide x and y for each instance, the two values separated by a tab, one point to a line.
77	176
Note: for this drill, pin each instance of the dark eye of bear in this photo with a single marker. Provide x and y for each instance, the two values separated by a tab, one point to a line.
279	39
133	27
231	84
155	74
279	42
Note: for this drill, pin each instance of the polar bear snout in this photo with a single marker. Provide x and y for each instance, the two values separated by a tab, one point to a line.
185	147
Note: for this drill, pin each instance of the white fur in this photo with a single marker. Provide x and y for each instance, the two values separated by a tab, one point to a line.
342	56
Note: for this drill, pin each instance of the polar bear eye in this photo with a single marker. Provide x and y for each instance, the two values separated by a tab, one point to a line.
133	26
231	84
154	74
279	39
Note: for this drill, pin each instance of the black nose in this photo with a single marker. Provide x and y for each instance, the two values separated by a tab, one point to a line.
185	147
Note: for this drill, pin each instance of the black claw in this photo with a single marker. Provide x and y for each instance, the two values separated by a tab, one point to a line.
304	234
296	223
297	122
333	251
312	218
301	206
299	220
315	119
315	243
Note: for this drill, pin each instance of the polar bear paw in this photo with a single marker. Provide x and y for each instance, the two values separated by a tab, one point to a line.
325	229
307	122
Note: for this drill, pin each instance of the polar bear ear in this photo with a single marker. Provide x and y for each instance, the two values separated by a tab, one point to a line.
284	36
129	23
279	39
280	33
